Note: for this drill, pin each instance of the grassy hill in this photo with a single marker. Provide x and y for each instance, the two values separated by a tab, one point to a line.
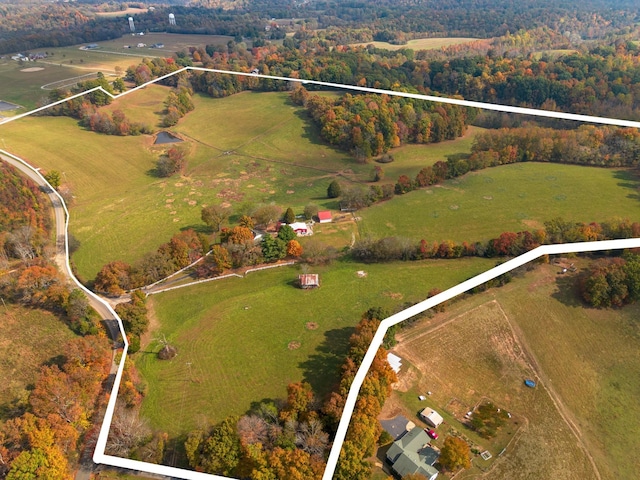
242	340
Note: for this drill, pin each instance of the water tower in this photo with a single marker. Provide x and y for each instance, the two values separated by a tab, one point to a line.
132	26
172	19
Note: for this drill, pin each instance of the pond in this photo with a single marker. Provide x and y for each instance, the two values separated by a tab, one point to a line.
166	137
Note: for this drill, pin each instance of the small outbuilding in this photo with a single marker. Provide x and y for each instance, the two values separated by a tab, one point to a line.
395	362
309	280
431	417
300	228
324	216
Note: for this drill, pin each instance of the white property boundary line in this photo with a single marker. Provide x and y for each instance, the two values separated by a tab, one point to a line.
99	455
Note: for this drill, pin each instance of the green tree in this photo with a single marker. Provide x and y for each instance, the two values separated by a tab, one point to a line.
214	216
286	233
310	211
487	419
334	190
455	454
221	450
289	216
273	249
134	314
53	177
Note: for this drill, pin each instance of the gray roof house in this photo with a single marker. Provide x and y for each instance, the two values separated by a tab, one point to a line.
412	453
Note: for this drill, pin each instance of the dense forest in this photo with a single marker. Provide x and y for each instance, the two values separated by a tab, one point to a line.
42	431
30	26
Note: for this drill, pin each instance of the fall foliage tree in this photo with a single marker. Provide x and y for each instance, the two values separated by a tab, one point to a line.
455	454
294	249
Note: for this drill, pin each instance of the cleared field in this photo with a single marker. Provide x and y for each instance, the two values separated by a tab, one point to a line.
584	360
67	63
590	357
173	42
28	338
420	43
410	159
23	88
476	356
234	336
125	12
483	204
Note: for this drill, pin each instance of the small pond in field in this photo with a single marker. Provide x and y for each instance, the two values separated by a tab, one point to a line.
166	137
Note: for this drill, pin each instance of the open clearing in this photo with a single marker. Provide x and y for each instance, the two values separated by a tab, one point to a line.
516	197
63	63
585	362
29	337
419	43
173	42
274	157
233	335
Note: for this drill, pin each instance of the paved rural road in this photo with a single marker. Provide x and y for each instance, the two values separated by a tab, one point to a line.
86	464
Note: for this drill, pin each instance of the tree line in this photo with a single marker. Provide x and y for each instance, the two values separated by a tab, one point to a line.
506	244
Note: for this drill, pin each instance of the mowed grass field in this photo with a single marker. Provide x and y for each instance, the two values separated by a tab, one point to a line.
584	360
409	159
234	335
29	337
121	210
65	64
420	43
483	204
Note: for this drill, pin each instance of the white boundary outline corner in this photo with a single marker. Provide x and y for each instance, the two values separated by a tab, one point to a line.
100	457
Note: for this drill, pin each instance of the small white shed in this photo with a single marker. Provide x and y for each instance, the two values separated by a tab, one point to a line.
432	417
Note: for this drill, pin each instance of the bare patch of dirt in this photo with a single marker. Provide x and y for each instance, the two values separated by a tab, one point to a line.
533	223
294	345
311	326
32	69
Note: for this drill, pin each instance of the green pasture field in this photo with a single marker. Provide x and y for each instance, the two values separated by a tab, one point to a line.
420	43
173	42
260	148
534	327
121	210
236	337
23	88
409	159
29	337
67	63
483	204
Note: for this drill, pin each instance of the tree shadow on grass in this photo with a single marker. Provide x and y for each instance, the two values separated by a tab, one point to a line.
567	291
631	181
322	368
198	228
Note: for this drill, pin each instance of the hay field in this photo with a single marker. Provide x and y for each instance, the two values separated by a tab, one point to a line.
584	360
420	43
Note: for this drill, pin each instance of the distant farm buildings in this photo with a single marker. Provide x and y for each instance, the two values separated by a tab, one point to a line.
309	280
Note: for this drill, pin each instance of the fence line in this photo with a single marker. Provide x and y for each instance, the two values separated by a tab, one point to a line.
228	275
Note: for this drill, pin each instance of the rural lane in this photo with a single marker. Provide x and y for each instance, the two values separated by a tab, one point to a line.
86	463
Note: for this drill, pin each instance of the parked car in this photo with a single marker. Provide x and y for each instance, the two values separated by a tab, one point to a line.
432	434
530	383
